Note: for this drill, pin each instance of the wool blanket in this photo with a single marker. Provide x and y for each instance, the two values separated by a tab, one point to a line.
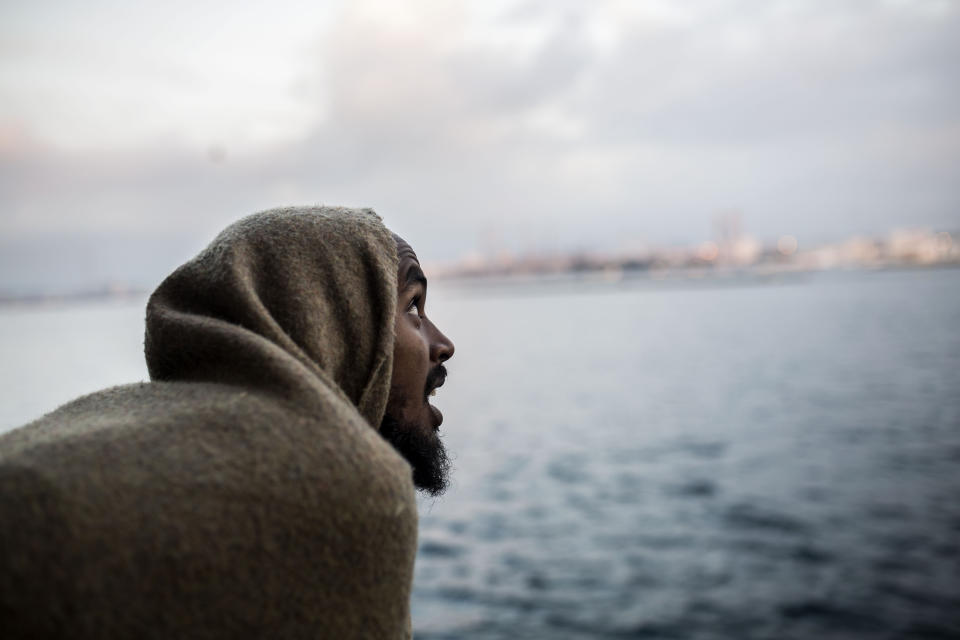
244	492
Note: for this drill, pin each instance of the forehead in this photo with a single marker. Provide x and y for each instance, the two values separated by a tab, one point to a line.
408	265
405	254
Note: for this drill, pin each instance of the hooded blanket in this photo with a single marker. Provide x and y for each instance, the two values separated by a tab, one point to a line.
244	492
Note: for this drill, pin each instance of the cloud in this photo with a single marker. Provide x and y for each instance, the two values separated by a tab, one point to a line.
557	124
658	117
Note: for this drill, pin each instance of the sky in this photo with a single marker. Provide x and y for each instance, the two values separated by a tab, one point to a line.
131	133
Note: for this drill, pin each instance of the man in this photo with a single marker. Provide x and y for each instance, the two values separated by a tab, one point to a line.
245	491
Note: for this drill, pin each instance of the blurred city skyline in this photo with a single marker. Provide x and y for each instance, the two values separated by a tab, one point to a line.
129	137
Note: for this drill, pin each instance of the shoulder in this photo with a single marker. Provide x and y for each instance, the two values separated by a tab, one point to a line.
309	517
204	430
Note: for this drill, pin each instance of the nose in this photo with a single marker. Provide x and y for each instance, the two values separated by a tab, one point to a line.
441	348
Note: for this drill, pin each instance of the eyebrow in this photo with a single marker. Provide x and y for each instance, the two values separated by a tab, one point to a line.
414	276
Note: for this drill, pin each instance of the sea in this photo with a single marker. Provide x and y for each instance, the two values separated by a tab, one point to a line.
712	458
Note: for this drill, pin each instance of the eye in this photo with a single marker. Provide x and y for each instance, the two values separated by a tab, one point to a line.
414	306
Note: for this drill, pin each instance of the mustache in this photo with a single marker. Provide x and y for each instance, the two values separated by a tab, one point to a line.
436	378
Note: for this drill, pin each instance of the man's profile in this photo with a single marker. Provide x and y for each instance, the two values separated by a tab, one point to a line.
254	487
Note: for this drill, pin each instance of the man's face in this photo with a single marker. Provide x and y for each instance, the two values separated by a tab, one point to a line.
411	423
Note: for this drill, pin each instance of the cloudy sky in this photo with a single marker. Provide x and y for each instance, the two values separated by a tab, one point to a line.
131	132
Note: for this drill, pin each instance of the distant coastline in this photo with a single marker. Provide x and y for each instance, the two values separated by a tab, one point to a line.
733	258
730	256
36	299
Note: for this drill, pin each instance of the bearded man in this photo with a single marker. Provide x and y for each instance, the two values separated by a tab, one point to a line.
250	489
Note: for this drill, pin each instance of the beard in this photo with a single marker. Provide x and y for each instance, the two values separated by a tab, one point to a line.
423	450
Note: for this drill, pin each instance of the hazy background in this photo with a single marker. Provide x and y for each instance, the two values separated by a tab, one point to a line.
129	135
718	454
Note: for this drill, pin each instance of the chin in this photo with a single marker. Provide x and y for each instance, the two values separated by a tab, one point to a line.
421	446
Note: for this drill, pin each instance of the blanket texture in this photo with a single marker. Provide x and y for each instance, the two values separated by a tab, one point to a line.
244	492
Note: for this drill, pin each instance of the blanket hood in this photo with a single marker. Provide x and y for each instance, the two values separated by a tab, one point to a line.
295	302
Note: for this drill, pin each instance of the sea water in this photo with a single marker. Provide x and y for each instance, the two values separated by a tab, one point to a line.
720	458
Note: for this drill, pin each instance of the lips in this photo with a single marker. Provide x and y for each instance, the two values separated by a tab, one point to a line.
435	380
435	416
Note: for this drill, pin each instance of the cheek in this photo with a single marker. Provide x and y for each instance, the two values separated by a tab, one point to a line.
410	357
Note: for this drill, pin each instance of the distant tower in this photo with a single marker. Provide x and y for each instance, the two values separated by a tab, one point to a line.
727	229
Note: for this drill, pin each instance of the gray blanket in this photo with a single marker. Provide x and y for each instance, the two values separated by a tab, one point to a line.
243	492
